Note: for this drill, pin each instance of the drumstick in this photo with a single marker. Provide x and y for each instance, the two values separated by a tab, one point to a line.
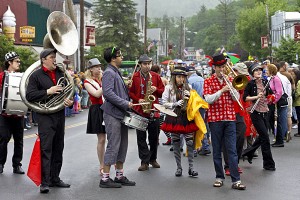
137	104
134	70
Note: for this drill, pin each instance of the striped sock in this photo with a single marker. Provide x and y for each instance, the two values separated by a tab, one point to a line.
119	173
105	176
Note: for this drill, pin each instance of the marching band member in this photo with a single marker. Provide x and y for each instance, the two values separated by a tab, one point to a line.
239	69
257	90
93	86
114	109
175	97
11	125
144	84
51	129
219	93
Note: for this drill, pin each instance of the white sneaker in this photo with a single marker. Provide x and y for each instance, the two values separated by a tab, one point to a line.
294	127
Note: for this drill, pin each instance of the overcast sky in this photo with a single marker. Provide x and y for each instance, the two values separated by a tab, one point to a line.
177	8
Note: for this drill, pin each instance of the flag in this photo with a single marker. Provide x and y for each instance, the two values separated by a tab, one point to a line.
185	52
35	165
222	50
152	44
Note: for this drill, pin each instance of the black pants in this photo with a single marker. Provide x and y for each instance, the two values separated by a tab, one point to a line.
52	131
11	126
240	137
145	154
260	121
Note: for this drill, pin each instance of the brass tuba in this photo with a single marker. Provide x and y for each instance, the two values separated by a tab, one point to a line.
61	35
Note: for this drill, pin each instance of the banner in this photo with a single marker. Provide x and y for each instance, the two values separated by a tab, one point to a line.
264	42
90	36
296	31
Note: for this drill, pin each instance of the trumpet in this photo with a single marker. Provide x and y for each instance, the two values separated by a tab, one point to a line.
231	90
240	81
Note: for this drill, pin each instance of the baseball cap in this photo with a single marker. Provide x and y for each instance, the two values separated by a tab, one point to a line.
46	52
241	68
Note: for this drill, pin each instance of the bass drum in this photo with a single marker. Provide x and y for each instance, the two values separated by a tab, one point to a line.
11	101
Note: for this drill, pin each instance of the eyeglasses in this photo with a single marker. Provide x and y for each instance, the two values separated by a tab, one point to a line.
120	55
17	61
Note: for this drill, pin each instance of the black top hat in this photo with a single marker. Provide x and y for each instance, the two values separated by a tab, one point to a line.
144	58
218	60
178	70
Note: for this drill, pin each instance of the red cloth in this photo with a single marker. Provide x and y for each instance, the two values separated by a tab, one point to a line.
93	99
223	108
51	74
35	165
135	91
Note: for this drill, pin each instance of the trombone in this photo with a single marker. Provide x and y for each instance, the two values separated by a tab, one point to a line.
240	81
232	92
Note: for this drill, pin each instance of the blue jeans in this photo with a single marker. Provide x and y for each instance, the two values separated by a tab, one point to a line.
281	124
224	131
205	141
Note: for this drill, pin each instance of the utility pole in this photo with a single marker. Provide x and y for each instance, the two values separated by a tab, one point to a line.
145	29
269	32
181	37
82	63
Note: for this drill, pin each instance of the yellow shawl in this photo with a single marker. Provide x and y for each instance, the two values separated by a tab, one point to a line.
194	104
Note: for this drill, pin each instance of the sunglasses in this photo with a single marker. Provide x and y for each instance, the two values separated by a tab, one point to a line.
17	61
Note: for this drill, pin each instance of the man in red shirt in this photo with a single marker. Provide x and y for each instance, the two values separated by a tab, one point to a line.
221	119
142	81
11	125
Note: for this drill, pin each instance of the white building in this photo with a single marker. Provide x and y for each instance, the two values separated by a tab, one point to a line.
283	25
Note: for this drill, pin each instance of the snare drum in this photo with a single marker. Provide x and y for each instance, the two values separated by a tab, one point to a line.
11	102
136	121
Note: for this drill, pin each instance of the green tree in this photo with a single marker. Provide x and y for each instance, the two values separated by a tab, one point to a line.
288	51
27	56
116	25
5	46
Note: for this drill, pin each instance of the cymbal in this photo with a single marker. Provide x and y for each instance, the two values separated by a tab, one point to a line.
162	109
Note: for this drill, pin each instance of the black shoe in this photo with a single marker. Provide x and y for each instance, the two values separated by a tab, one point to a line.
277	145
249	158
270	168
171	149
193	173
178	172
44	189
109	184
60	184
1	168
124	181
204	152
18	170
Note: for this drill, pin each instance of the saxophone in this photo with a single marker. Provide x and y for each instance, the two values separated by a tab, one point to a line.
148	96
184	98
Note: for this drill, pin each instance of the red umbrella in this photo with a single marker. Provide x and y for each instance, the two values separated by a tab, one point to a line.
166	62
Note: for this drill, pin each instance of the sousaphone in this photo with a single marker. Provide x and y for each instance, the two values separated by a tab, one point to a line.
63	36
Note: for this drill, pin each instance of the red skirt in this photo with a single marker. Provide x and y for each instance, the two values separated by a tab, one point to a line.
179	124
